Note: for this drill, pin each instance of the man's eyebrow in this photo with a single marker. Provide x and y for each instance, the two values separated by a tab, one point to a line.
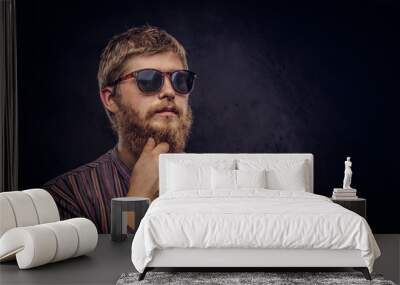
125	71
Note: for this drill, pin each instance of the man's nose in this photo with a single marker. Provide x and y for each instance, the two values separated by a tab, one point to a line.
167	90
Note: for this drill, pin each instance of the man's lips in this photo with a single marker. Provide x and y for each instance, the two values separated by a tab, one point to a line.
167	111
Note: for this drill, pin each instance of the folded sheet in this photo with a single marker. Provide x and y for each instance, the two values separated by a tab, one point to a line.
250	218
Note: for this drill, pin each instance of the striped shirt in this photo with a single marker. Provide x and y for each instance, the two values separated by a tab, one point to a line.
87	190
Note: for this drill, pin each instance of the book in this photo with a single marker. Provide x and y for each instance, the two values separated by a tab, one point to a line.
341	190
344	198
345	194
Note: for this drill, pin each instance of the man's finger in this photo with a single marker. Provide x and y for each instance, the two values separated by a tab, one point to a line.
149	146
161	148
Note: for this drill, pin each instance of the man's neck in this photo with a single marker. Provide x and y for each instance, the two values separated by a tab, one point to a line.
125	155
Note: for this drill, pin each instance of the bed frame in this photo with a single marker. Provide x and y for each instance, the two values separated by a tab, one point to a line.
246	258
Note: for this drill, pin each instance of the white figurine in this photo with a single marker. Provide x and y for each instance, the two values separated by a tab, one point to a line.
347	174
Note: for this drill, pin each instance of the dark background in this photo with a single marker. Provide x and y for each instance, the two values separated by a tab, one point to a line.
310	77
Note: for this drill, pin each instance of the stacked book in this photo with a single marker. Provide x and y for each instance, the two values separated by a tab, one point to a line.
344	194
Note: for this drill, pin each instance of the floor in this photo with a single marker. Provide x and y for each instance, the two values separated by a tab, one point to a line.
111	259
388	263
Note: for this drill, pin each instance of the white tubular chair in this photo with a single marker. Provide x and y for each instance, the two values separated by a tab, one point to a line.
31	230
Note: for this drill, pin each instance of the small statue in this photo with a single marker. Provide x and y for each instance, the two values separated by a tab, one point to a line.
347	174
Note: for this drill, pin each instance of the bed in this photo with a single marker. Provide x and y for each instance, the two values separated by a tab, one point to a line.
247	210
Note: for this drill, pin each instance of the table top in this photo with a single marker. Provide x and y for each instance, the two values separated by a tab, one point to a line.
348	200
104	265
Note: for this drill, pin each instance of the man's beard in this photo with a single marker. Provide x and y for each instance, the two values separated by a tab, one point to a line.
135	131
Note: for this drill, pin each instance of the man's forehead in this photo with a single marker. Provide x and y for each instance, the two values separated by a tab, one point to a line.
166	61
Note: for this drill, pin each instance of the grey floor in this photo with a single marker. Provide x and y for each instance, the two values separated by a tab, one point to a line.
389	262
110	260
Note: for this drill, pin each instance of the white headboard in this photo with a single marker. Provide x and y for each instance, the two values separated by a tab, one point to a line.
166	157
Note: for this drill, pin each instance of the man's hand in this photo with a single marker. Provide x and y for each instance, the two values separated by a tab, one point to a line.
144	178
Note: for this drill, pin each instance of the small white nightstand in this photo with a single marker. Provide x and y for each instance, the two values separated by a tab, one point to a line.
358	205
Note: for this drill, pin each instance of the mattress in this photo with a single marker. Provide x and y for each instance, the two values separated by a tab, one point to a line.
250	218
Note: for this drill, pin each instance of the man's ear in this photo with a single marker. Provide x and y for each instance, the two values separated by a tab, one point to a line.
108	100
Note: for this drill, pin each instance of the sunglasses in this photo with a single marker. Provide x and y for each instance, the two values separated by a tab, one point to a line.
151	80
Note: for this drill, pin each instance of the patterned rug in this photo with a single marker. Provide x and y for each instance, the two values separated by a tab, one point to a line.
230	278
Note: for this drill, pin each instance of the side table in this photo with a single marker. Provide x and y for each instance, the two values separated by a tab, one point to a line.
120	207
358	205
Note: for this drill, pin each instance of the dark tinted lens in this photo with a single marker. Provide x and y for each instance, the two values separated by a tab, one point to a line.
149	80
183	81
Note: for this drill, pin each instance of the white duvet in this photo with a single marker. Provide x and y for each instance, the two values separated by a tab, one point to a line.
251	218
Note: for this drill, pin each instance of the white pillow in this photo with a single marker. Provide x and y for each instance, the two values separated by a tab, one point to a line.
187	174
182	177
235	179
281	174
251	178
223	179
